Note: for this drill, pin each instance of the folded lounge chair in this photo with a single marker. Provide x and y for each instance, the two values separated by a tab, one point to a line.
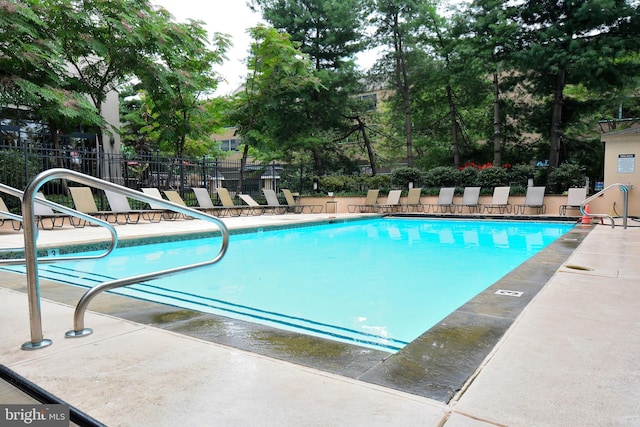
470	200
123	214
258	208
534	200
499	201
272	200
575	197
412	203
370	203
298	208
392	204
445	200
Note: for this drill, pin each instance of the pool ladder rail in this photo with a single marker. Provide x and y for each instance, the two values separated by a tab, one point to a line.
624	188
31	257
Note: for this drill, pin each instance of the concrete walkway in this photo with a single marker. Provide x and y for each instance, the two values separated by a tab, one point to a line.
571	358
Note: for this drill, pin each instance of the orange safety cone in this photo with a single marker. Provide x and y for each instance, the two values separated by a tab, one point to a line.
586	219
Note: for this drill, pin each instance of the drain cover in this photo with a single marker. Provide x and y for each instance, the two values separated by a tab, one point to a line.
509	293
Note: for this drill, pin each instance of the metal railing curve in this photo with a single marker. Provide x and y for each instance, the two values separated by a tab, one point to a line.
625	204
31	258
60	208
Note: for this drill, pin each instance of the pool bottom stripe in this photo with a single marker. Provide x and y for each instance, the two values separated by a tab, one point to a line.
88	280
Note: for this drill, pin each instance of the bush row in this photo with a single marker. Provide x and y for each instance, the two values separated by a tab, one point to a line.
517	177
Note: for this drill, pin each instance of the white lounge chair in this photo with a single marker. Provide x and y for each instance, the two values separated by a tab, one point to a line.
470	200
575	197
369	205
392	204
445	200
500	201
533	200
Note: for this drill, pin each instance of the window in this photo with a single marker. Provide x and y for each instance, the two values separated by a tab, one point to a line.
229	144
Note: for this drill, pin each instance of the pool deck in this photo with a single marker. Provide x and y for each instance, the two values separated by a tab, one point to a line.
569	358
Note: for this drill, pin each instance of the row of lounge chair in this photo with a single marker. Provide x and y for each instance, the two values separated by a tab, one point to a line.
121	212
534	201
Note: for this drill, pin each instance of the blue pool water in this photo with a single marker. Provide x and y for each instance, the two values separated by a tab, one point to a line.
380	282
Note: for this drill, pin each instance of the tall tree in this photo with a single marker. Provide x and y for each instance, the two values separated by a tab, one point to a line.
575	43
486	34
330	33
268	112
102	42
397	30
32	73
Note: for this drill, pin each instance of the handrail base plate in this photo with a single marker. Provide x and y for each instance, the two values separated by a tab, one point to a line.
36	345
77	334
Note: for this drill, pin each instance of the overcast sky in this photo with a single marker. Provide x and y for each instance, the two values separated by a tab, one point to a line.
231	17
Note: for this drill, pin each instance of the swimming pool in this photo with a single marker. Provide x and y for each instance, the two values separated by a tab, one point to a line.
379	283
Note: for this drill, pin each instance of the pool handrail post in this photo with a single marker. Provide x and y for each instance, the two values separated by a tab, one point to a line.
625	204
31	258
31	263
30	226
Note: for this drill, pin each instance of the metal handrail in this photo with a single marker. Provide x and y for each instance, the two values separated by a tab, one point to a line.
31	257
625	204
60	208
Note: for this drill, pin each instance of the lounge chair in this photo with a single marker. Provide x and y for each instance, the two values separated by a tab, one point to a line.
166	213
445	200
5	215
470	200
84	202
370	203
123	214
231	208
392	204
42	212
258	208
500	201
575	197
298	208
205	203
534	200
272	200
413	201
175	197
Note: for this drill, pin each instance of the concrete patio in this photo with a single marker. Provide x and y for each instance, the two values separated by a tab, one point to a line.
570	358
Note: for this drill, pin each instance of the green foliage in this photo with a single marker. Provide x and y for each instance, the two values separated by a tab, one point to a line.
343	184
442	176
337	184
12	163
468	177
565	176
401	177
493	177
519	174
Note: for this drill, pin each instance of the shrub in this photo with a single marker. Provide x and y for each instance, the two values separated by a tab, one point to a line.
441	176
468	177
401	177
493	177
565	176
519	175
336	183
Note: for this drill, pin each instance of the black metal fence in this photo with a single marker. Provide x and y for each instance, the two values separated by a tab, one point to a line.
18	165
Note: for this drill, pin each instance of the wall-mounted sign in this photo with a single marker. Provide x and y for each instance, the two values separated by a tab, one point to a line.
626	163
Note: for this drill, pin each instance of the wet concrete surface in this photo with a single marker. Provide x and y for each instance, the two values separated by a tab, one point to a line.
435	365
